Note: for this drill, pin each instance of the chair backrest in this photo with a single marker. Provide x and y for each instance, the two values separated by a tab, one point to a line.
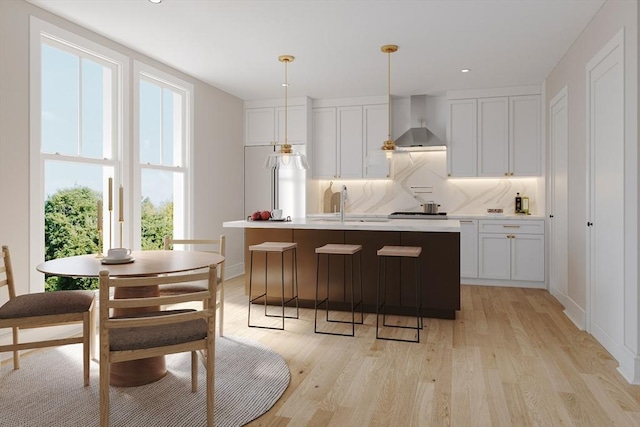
217	246
6	273
134	303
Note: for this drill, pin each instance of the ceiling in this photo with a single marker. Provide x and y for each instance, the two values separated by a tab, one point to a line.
234	45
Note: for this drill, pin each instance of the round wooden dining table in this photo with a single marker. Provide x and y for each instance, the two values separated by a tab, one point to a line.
145	263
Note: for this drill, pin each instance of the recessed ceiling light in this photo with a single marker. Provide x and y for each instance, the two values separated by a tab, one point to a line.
465	70
155	1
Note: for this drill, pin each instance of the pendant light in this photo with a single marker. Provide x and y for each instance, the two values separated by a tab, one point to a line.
389	146
285	156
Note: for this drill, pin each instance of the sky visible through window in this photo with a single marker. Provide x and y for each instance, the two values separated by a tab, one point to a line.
76	121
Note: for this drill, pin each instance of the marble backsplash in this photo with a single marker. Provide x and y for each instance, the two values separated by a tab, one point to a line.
422	177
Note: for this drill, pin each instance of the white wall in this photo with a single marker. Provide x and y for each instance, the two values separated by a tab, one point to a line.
570	71
218	182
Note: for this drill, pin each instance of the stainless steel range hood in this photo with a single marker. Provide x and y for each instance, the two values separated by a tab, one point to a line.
419	137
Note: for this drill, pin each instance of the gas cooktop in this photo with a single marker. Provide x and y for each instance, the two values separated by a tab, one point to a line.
418	215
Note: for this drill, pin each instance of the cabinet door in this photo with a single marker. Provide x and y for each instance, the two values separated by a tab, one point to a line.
524	138
296	124
258	180
259	126
468	248
375	132
493	136
527	257
494	256
350	162
462	138
324	159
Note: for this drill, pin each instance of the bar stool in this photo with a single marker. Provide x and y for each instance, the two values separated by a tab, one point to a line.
403	252
281	248
343	250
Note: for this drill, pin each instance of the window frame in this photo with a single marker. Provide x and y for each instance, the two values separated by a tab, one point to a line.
143	71
44	32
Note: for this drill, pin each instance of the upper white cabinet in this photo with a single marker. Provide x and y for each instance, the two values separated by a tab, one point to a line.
375	133
494	136
325	148
462	139
266	125
343	135
524	135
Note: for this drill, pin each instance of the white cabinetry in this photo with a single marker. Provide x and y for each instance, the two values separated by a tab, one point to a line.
524	135
342	138
375	133
265	125
468	248
462	141
511	250
494	136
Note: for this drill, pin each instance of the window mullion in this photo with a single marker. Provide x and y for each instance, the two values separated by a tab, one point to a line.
79	142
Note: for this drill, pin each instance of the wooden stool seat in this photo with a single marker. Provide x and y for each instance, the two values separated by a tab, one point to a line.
273	247
335	249
401	251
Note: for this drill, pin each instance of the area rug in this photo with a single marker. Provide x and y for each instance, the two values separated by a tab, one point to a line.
47	390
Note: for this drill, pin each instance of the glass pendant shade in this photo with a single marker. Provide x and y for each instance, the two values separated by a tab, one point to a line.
285	156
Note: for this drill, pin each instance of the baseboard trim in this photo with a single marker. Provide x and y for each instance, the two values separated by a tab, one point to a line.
231	271
575	313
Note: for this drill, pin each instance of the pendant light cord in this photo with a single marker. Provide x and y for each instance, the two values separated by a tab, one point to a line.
389	95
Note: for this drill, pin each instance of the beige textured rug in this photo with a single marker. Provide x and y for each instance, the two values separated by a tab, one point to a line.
47	390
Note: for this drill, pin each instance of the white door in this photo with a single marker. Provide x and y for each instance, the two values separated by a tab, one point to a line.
324	145
527	257
462	138
259	126
494	256
296	124
469	248
350	163
524	135
258	180
605	133
558	214
375	132
493	136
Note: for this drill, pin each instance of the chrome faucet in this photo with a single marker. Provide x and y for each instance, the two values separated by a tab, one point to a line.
343	199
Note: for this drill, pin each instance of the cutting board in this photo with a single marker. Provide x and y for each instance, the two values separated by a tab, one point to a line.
326	200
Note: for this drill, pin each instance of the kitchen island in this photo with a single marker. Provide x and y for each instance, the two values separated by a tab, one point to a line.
440	259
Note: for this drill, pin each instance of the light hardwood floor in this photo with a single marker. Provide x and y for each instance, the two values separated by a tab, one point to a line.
511	358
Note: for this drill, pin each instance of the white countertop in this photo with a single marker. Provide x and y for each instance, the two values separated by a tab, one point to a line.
494	216
353	223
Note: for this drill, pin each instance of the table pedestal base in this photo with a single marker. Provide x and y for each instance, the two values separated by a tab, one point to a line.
134	373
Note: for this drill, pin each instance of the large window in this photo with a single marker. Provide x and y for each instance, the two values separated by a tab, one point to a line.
163	133
80	123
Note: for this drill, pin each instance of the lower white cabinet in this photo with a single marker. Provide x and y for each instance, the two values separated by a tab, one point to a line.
468	248
511	250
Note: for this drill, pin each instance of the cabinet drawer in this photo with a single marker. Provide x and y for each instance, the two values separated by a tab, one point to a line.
515	226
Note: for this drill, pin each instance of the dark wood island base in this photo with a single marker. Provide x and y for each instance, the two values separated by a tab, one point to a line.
440	268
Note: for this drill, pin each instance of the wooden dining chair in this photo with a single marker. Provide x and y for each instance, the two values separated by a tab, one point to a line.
143	334
45	309
205	245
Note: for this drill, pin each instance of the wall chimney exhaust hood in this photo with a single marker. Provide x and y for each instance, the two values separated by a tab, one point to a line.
419	137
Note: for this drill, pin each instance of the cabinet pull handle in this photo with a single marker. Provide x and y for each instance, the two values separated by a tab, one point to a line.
466	221
511	174
511	226
506	174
